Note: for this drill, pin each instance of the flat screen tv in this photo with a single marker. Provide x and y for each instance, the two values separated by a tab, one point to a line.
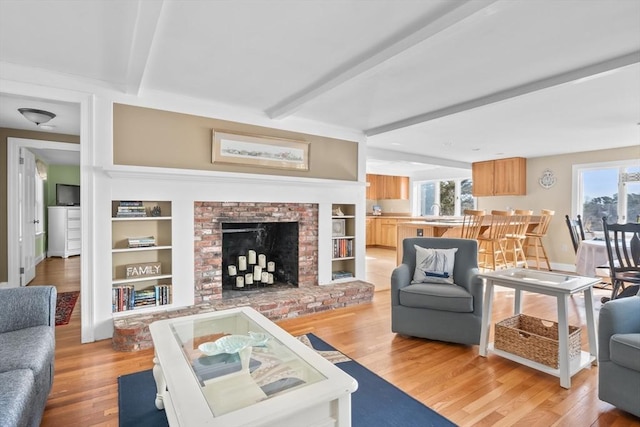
67	195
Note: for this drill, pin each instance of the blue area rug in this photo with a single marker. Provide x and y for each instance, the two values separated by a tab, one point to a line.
376	403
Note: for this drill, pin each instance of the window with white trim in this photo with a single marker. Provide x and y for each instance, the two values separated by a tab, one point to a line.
610	189
446	197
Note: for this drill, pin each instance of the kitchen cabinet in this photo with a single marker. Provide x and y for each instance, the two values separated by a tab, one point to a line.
387	232
502	177
370	231
384	187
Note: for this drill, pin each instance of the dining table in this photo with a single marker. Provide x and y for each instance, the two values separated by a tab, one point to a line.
591	254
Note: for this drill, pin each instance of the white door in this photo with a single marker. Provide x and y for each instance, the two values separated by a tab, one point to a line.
26	193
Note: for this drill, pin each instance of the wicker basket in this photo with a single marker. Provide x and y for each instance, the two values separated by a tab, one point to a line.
534	339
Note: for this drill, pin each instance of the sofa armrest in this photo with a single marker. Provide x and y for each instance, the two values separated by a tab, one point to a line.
25	307
400	277
618	316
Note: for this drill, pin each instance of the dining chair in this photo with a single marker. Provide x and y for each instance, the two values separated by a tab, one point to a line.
534	239
576	230
472	223
517	235
493	243
623	251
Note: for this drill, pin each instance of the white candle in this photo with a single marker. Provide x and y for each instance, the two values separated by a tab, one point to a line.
248	279
271	266
257	272
239	282
262	260
270	280
242	263
265	277
232	270
252	257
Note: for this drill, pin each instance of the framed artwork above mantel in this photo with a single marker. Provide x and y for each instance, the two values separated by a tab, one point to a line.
255	150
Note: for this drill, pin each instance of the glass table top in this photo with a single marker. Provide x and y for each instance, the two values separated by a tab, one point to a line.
238	363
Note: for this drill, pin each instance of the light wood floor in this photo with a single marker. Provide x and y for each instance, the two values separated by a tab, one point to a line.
452	379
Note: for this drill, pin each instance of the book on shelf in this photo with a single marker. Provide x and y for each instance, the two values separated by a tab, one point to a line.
341	275
342	248
131	209
141	242
126	297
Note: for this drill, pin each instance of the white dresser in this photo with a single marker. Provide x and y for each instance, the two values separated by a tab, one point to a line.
64	231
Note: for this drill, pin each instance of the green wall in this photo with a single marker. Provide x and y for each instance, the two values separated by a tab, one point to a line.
60	175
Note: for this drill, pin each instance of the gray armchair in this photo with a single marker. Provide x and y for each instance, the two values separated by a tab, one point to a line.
438	311
619	354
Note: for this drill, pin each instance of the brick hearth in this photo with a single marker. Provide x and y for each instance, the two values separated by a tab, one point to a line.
131	333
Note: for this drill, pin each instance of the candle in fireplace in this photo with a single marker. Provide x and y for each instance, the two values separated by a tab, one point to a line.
248	279
240	282
265	277
270	279
232	270
262	260
242	263
271	266
252	257
257	272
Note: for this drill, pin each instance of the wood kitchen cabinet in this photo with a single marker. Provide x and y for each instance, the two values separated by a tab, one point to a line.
387	232
383	187
370	231
503	177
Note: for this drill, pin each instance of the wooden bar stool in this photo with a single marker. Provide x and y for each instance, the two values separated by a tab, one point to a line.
472	223
518	234
534	238
493	243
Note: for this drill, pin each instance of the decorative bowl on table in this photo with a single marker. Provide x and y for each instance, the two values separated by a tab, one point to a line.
232	344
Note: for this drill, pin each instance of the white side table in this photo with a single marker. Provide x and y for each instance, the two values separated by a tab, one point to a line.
554	284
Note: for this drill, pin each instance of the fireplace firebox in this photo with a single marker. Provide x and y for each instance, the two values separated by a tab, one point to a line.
258	255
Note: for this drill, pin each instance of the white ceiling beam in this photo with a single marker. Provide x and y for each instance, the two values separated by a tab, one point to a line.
411	36
558	79
147	17
374	153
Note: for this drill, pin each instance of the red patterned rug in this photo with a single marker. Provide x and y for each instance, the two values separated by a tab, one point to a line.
64	306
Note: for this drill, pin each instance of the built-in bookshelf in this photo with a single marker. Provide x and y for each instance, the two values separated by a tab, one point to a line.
141	255
343	247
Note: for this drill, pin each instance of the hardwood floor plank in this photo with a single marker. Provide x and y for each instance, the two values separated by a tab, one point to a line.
453	379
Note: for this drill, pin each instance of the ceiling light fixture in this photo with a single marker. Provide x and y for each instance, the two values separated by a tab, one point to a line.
36	116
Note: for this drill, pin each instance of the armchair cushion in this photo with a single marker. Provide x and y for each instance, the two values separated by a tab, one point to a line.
437	296
434	265
624	350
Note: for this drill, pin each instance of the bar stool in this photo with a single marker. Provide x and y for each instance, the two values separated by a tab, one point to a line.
472	223
534	238
493	243
518	234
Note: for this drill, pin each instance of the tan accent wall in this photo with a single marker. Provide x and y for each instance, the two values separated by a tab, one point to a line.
149	137
6	133
558	198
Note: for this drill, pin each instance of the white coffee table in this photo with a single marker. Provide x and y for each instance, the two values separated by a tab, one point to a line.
274	380
547	283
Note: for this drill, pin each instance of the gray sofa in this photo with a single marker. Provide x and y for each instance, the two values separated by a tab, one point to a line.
619	355
443	312
27	345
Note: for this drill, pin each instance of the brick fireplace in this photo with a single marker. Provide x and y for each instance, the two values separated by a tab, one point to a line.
131	333
208	234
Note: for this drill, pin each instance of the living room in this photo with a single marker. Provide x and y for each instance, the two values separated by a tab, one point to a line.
134	147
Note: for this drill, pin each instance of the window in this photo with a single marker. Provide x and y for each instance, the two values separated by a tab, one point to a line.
450	197
609	190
